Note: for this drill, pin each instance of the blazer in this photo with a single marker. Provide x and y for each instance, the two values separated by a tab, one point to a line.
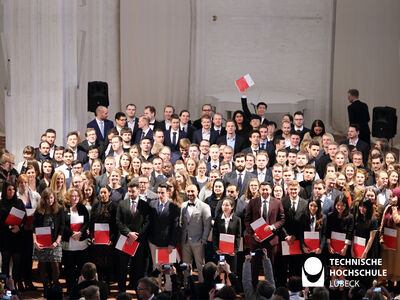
82	211
247	113
361	146
292	224
196	227
359	114
301	132
231	178
84	146
168	141
234	227
240	142
276	217
163	228
138	137
58	221
139	222
107	126
198	136
305	226
268	174
222	131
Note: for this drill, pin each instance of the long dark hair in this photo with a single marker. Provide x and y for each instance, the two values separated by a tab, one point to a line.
6	184
213	196
318	214
367	203
317	123
341	198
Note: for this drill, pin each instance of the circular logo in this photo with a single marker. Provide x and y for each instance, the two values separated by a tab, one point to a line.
312	266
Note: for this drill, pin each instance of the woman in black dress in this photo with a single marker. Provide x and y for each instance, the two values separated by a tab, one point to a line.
11	244
103	255
49	213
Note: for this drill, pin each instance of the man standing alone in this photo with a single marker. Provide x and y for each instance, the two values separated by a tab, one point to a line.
359	114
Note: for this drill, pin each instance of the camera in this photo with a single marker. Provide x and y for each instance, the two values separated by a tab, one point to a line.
222	260
219	286
257	252
183	267
166	266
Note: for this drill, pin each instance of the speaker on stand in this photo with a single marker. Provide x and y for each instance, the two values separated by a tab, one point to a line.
97	95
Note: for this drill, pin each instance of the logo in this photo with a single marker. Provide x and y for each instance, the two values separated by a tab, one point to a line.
312	273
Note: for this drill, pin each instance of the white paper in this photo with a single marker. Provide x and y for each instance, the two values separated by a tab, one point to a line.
248	79
229	238
311	235
338	236
121	242
76	219
17	212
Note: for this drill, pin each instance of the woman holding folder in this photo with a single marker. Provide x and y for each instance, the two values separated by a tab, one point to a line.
228	227
74	239
313	239
48	226
104	232
12	219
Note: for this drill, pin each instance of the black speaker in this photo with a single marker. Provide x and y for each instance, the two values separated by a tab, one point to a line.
384	122
97	95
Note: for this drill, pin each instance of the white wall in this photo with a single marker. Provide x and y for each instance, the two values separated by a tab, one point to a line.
367	56
284	45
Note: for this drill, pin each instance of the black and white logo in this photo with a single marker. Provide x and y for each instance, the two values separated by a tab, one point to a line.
312	273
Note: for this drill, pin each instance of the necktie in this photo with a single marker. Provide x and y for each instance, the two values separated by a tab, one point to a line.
190	204
293	207
214	167
102	128
218	131
70	172
256	152
143	134
160	208
174	138
265	212
262	146
133	209
312	220
240	181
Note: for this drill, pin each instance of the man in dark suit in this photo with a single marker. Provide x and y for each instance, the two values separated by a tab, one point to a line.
271	210
298	122
353	140
240	176
295	208
217	124
144	130
261	171
231	138
133	220
150	113
359	114
131	119
163	229
72	144
100	123
174	134
185	124
165	124
261	110
91	140
265	143
254	138
206	132
206	110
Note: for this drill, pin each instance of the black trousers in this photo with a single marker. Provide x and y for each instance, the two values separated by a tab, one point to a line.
73	263
6	257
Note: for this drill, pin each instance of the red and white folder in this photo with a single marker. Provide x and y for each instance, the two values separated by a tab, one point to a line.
15	216
123	245
258	227
337	241
244	83
29	217
162	256
101	233
359	246
390	238
294	249
311	239
43	236
76	222
226	243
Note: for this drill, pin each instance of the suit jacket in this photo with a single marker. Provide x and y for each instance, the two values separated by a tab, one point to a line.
168	141
135	127
84	146
190	129
138	222
267	177
234	227
305	226
359	114
362	147
107	126
81	156
232	178
163	229
197	124
157	124
292	224
197	226
328	205
249	150
222	131
138	137
198	136
247	113
276	217
103	180
269	147
162	125
302	132
240	142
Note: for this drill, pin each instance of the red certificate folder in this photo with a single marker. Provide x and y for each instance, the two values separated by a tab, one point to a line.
15	216
358	246
294	249
390	238
337	241
244	83
162	256
76	222
123	246
311	239
101	233
43	236
258	227
29	218
226	243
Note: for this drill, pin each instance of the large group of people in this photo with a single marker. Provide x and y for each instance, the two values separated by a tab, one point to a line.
193	189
